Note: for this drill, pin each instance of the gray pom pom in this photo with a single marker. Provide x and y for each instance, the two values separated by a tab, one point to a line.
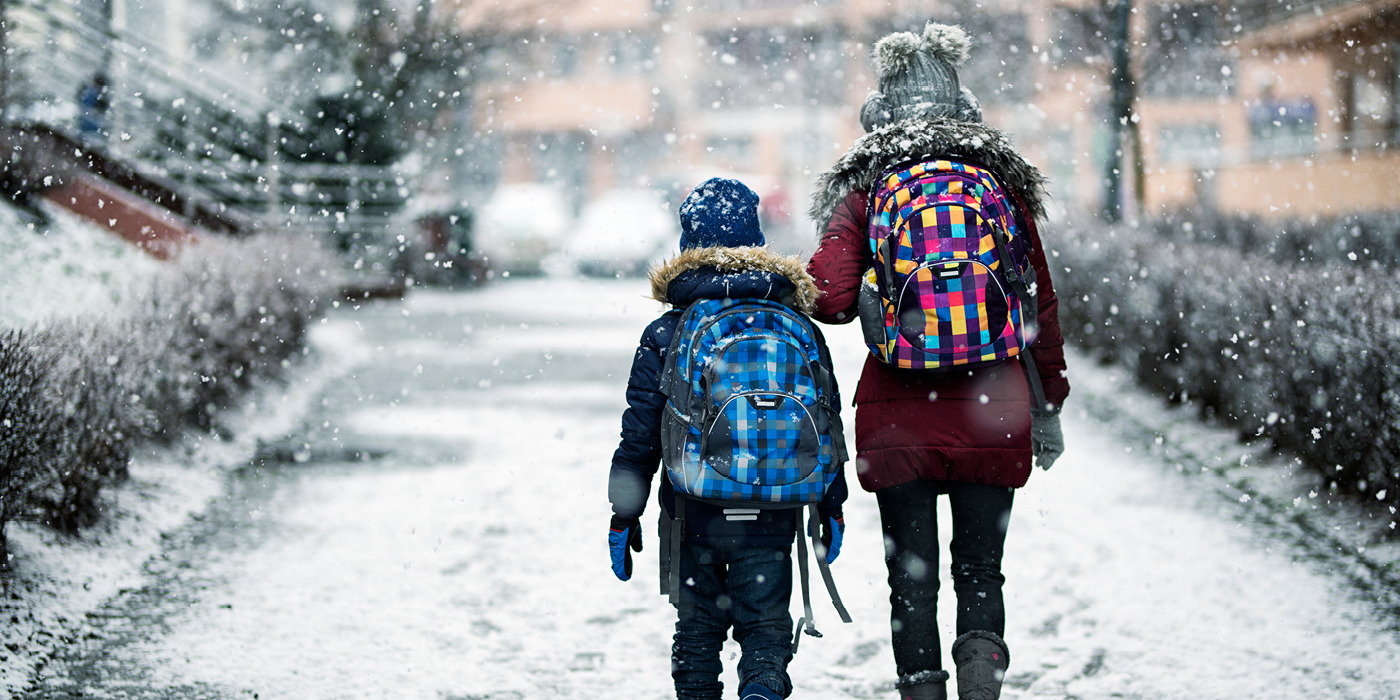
895	53
947	42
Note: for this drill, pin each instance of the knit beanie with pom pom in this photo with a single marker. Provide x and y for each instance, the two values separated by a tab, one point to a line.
916	76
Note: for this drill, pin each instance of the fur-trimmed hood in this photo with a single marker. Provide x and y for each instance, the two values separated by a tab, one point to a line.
907	140
745	271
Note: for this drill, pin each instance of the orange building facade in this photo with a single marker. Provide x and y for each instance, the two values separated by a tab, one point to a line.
1267	114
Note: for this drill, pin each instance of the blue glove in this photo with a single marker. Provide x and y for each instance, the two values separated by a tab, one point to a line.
832	530
623	533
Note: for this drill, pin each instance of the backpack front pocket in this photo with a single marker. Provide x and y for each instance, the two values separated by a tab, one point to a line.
764	439
952	307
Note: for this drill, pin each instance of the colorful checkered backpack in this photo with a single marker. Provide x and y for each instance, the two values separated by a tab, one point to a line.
951	284
751	418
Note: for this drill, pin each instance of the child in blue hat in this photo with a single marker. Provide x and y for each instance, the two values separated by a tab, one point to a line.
735	574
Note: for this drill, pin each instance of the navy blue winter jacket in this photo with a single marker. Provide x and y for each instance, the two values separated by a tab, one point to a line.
705	273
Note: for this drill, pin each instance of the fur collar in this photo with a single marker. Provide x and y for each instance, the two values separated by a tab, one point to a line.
737	260
914	138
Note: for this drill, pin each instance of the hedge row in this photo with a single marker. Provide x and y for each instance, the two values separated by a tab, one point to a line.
77	396
1366	238
1302	354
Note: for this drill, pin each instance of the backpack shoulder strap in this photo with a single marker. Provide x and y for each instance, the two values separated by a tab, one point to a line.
668	370
1021	281
1030	312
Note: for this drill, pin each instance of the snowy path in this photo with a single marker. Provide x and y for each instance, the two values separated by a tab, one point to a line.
441	535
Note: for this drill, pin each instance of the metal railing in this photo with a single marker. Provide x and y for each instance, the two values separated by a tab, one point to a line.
174	122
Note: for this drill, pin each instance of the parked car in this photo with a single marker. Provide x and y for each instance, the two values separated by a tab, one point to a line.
520	226
621	233
444	252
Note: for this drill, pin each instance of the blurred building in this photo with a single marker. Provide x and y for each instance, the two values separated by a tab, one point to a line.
663	94
1312	124
1250	106
1254	107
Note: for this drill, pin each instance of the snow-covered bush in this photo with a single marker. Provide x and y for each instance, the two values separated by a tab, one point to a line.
95	424
27	425
238	310
1299	353
62	265
226	316
1363	237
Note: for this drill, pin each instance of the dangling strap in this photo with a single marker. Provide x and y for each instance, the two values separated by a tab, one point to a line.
806	623
663	531
671	585
813	530
1033	377
825	568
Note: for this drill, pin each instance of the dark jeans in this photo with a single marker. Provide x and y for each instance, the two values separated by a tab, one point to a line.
910	522
747	588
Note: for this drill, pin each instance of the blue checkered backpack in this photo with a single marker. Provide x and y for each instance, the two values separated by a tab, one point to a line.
751	418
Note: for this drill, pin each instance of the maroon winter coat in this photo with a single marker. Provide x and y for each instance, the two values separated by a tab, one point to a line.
969	425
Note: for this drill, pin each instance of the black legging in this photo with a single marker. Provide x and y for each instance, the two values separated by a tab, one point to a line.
910	522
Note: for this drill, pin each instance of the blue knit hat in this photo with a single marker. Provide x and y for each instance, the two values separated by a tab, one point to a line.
720	213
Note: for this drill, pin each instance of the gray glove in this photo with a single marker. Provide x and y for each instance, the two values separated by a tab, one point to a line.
1047	441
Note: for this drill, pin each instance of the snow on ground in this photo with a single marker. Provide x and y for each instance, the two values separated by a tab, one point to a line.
471	561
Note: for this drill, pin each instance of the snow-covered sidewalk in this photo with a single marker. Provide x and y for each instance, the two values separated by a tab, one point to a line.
470	559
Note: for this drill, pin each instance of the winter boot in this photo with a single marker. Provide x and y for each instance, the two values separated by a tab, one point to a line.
981	658
758	691
924	685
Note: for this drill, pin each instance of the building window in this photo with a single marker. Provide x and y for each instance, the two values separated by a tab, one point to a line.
1395	92
805	149
565	61
1196	145
639	156
999	69
632	54
1063	164
735	5
1283	127
1370	109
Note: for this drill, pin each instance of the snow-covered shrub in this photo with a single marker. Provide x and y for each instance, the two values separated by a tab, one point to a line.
240	309
96	423
1368	238
27	425
1302	354
83	392
162	376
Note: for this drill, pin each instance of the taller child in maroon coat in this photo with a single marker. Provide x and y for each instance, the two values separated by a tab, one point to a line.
969	434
